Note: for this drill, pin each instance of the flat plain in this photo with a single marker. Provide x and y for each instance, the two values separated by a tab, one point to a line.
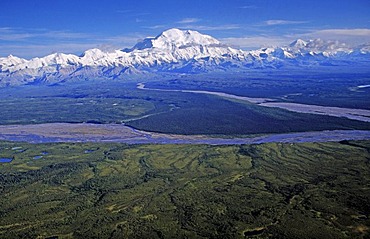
96	190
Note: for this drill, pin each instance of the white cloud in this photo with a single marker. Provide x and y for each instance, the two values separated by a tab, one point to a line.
124	11
32	50
342	32
63	35
350	36
10	34
282	22
39	50
249	7
212	28
22	42
157	27
188	20
14	34
198	27
255	42
121	41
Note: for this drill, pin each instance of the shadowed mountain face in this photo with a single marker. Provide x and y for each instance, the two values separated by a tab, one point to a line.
177	51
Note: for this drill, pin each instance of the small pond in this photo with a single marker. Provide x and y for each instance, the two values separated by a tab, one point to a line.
6	160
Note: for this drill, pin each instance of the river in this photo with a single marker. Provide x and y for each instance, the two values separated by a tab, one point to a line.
83	132
66	132
355	114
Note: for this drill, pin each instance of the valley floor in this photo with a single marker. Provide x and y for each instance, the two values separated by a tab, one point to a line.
111	190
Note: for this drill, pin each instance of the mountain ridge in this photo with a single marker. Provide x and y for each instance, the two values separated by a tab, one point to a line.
176	51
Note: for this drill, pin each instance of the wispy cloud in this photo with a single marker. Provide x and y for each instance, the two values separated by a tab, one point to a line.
37	42
10	34
157	27
190	23
33	50
189	20
248	7
213	28
14	34
63	35
352	36
124	11
255	42
30	50
342	32
282	22
122	41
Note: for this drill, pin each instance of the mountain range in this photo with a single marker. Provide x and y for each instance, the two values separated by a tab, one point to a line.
177	51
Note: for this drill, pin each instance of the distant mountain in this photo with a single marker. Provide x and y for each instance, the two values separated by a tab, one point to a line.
175	51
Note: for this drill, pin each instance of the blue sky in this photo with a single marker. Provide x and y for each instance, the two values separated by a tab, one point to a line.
30	28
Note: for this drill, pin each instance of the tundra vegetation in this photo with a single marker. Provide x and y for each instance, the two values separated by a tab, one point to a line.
111	190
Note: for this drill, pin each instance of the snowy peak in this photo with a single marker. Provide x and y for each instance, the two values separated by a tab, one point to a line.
179	38
60	59
299	43
319	46
364	49
92	56
175	38
93	53
11	61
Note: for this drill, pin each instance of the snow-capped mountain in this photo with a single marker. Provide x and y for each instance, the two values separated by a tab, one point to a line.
174	39
176	51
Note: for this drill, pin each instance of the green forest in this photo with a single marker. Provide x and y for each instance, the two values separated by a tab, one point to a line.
111	190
